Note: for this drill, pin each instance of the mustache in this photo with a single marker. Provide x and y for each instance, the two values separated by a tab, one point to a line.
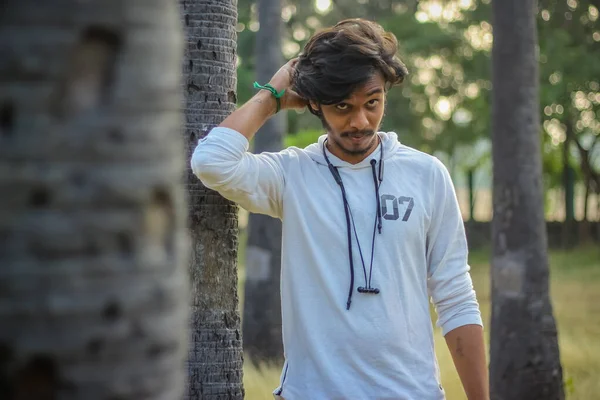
365	133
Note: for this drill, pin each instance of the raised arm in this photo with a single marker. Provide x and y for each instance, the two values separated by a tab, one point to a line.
222	161
249	118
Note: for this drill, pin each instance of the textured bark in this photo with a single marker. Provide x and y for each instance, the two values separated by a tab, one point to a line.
215	356
525	362
262	301
93	239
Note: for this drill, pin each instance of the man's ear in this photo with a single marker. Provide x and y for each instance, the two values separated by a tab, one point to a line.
314	107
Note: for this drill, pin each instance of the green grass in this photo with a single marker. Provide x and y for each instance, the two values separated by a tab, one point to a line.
575	278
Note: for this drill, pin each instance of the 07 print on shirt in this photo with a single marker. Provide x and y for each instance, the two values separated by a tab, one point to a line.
391	205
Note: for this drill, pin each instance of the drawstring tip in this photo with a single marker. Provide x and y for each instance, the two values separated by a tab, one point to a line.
348	304
379	227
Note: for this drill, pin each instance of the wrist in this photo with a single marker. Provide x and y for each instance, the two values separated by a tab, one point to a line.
279	86
276	94
267	102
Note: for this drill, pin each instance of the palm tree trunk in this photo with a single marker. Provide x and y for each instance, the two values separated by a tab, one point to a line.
215	355
93	245
262	302
525	362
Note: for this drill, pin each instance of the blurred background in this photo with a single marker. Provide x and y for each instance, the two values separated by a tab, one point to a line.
444	106
444	109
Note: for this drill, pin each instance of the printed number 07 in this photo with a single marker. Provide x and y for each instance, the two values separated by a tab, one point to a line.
392	213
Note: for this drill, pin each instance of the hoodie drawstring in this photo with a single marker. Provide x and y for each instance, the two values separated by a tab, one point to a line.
377	201
351	226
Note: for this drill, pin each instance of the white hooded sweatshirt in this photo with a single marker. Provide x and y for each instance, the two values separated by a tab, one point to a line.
382	347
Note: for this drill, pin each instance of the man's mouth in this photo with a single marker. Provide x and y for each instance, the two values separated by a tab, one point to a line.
358	135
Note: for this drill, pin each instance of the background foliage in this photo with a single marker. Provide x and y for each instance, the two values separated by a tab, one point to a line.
444	106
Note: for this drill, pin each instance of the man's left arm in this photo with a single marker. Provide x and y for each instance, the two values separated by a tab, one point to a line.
450	286
468	352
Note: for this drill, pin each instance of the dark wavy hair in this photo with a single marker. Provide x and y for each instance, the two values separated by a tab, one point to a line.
339	59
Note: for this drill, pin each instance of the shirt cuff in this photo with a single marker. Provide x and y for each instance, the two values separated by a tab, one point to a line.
465	319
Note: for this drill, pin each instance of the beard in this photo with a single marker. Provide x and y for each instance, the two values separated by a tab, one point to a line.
345	149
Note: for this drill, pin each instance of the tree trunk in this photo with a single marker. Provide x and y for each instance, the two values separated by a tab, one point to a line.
93	244
525	362
584	234
589	177
262	302
586	198
215	355
471	183
569	191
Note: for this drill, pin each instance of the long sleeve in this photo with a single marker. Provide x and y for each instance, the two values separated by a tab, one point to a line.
256	182
449	282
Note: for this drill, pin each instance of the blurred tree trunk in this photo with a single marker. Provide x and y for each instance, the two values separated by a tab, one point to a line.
585	232
590	178
568	238
471	184
262	301
586	198
215	354
93	244
525	362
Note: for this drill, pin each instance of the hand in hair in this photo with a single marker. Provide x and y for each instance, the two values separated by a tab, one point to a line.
248	119
283	80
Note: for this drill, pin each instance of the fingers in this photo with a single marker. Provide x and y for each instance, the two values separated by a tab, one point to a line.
283	80
290	66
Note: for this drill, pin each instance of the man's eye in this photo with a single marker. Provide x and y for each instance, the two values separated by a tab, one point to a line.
373	102
342	106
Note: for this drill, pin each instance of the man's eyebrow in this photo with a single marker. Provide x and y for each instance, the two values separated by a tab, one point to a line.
376	90
370	93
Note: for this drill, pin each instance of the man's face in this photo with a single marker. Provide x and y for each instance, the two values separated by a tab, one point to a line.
352	124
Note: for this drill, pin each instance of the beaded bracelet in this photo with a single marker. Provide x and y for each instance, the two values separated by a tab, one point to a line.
274	92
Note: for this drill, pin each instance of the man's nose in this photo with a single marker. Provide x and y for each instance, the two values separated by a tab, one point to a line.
359	120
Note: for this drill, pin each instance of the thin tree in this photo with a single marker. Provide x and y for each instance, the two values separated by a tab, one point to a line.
215	355
262	302
93	283
525	360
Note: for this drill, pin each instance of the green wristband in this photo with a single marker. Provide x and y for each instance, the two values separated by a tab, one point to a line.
274	92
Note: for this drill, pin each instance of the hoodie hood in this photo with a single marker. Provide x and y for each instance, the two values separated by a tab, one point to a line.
389	141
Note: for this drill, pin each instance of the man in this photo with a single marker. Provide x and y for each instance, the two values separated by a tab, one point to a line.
371	229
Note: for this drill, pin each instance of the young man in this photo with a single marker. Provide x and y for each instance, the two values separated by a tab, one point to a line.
371	229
